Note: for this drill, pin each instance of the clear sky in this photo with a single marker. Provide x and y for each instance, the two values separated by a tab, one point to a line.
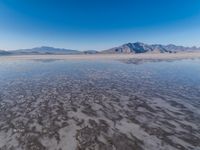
97	24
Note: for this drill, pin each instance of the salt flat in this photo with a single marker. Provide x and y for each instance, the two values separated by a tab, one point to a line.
154	56
84	102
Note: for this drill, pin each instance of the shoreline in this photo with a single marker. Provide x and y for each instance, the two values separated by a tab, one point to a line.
143	56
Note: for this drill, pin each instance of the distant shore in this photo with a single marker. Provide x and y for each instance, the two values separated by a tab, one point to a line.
143	56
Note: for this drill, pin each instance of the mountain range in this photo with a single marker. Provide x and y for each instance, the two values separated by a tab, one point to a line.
139	47
2	52
45	50
134	48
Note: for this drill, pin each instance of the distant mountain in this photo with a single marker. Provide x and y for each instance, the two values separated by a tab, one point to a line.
139	47
4	52
46	50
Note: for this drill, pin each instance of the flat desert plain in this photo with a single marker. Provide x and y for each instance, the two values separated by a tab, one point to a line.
100	102
146	56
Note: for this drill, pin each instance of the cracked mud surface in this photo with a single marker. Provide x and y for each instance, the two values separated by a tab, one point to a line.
99	105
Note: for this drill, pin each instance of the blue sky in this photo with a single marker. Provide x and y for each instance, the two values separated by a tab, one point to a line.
92	24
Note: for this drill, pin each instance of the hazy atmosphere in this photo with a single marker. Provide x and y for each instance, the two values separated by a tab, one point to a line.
93	24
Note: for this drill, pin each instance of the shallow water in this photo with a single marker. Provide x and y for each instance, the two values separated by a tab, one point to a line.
59	104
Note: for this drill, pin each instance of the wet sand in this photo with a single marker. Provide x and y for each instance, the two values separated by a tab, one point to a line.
146	56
